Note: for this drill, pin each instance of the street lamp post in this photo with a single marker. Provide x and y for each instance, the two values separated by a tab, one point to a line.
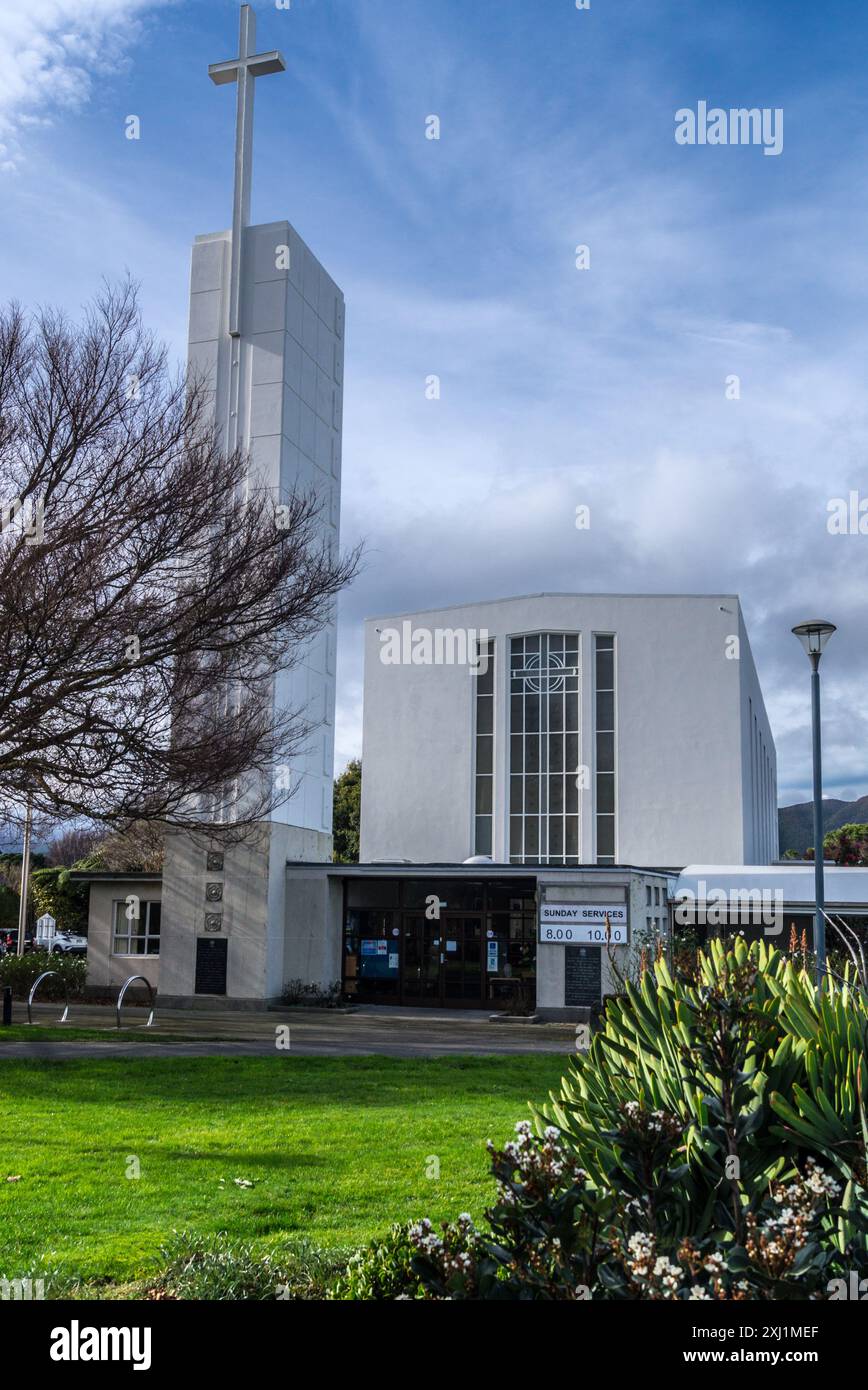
813	636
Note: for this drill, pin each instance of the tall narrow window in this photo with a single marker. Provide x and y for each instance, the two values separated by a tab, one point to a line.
484	790
544	749
604	727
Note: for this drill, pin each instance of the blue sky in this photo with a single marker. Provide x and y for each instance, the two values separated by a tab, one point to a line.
560	387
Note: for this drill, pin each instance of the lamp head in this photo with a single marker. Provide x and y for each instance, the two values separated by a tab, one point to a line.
814	635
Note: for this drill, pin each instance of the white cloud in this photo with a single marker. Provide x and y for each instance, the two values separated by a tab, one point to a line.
559	387
50	54
741	335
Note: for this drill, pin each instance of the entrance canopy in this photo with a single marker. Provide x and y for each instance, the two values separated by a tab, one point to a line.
518	938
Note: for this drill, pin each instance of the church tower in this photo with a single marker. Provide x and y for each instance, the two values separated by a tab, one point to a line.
266	333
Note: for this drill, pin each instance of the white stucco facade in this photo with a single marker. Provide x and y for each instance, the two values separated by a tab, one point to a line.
291	364
694	765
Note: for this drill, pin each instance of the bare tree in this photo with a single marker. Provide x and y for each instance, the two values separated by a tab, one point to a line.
139	846
71	844
150	586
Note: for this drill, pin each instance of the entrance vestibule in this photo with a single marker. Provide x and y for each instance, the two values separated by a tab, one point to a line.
461	943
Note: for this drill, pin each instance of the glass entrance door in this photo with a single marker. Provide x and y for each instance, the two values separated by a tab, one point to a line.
421	964
462	960
443	960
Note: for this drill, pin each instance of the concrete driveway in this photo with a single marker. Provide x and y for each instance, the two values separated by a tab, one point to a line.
312	1032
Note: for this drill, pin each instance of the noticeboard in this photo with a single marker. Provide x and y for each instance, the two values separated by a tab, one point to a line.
584	924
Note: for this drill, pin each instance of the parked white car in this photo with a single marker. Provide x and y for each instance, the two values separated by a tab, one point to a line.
66	943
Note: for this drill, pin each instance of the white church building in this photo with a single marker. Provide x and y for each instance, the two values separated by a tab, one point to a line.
568	729
537	773
537	770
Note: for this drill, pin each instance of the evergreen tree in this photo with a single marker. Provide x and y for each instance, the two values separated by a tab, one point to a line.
347	812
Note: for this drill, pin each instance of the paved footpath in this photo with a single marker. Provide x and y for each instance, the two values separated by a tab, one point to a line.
313	1033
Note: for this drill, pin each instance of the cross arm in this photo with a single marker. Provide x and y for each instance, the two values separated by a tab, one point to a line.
259	66
264	63
223	72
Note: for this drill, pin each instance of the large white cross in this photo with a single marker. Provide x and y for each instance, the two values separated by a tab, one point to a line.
244	70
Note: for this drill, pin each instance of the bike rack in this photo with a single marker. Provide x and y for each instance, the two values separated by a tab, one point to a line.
151	997
37	982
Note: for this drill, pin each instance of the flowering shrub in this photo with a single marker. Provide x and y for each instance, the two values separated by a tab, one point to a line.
712	1144
383	1270
756	1070
537	1245
551	1236
21	971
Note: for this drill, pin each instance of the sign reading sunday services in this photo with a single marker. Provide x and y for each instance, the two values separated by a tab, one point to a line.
583	924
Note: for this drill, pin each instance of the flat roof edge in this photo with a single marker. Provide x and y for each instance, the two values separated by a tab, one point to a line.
105	875
543	593
474	870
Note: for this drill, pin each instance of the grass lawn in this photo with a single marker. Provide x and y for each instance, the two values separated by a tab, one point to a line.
61	1032
337	1149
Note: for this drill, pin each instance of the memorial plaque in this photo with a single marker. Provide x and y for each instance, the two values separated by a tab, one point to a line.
214	892
211	965
215	862
582	976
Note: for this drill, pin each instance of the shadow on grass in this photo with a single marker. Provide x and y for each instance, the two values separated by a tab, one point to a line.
275	1082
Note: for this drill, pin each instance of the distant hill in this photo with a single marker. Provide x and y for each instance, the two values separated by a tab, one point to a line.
796	823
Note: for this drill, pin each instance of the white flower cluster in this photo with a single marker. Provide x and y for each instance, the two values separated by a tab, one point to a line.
655	1121
641	1246
820	1183
424	1236
781	1232
787	1230
429	1243
534	1159
657	1275
649	1269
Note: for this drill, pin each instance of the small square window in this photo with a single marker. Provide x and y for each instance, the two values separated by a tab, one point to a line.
136	928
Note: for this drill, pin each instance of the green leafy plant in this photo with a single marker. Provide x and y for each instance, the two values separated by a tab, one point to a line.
847	845
347	800
552	1236
218	1268
731	1054
383	1270
711	1144
21	971
311	996
53	891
